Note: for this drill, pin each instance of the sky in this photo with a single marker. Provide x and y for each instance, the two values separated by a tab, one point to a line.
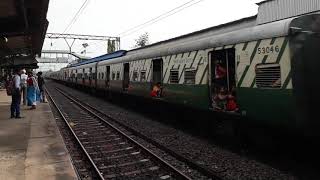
113	17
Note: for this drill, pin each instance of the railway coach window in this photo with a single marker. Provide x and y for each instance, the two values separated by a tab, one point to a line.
190	77
143	76
135	76
174	77
268	76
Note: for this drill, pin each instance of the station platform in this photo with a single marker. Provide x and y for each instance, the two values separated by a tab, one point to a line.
32	148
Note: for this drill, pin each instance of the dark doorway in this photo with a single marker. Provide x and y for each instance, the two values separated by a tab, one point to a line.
83	76
156	71
223	82
156	82
90	76
107	76
76	77
126	76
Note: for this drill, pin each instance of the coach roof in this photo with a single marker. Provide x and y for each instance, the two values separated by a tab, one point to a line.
102	58
265	31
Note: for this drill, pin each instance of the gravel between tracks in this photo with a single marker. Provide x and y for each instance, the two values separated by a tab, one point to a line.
226	163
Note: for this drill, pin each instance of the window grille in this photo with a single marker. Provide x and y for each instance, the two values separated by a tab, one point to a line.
190	77
135	76
268	76
143	76
174	77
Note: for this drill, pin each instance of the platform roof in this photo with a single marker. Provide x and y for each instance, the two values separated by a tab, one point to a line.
23	25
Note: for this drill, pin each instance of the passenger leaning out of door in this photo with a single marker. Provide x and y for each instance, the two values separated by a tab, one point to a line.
220	99
232	105
220	74
156	90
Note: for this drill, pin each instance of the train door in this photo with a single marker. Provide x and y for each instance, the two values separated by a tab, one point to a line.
65	75
126	77
223	80
76	77
83	76
107	76
95	76
156	82
90	76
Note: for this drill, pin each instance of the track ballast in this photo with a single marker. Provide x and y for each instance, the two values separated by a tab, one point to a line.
112	153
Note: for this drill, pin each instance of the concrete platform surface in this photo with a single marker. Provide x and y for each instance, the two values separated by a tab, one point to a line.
32	148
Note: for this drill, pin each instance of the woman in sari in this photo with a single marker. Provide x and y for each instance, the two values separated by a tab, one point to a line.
32	89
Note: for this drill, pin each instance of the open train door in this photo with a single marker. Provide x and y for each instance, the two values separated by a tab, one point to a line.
156	81
223	80
95	76
304	48
107	82
90	77
126	76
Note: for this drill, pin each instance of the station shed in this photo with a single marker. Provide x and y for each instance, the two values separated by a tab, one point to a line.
23	25
30	147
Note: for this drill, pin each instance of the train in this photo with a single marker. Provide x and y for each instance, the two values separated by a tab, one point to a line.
269	71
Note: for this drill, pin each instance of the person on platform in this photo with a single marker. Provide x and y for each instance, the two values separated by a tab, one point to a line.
24	78
16	95
32	89
41	84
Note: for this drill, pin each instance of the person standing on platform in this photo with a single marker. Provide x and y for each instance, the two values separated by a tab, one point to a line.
41	84
16	95
32	88
24	78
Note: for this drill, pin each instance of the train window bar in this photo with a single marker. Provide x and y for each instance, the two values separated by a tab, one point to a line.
174	77
135	76
190	76
268	76
143	76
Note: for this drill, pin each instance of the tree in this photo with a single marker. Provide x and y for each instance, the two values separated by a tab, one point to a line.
142	41
111	46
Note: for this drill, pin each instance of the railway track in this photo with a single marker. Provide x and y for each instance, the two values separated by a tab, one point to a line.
201	169
111	153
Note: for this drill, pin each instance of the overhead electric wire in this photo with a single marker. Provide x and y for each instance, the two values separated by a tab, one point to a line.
156	17
77	15
75	18
160	17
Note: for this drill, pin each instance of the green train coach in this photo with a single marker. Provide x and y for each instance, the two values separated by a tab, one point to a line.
269	71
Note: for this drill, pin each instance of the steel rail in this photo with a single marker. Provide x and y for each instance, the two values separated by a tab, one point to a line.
200	168
75	136
165	163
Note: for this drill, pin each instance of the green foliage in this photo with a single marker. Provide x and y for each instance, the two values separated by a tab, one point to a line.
111	46
142	41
